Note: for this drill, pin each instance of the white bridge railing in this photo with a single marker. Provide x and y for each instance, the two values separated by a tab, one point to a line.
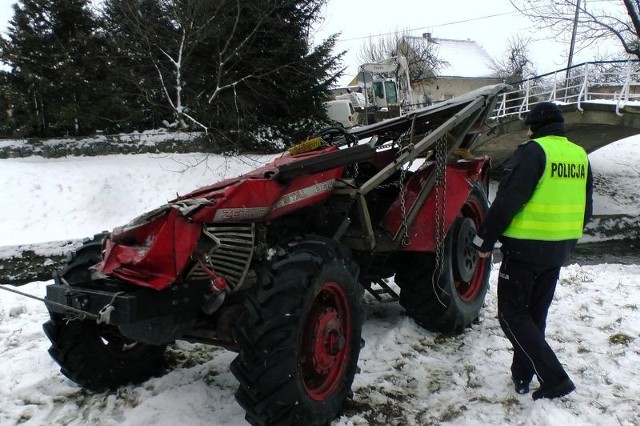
616	82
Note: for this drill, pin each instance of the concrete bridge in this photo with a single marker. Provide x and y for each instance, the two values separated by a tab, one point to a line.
600	102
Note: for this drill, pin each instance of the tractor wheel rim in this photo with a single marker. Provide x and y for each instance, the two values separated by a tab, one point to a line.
325	339
470	268
466	255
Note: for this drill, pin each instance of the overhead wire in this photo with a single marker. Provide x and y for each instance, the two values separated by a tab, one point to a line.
428	27
464	21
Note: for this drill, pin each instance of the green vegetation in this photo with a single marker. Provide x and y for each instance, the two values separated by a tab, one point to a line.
228	69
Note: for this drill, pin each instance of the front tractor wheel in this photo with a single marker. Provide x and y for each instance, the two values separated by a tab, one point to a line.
97	356
299	348
450	301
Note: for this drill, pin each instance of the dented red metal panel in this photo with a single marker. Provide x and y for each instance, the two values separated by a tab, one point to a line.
304	191
262	173
153	254
156	251
265	199
246	200
422	236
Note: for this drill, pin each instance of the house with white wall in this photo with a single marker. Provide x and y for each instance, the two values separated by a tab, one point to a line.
465	66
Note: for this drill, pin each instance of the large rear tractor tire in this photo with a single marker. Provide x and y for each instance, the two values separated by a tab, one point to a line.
454	300
299	347
97	356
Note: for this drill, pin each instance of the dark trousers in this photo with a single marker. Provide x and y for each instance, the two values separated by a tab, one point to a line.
525	292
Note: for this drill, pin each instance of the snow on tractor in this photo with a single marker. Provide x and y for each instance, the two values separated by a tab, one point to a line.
274	264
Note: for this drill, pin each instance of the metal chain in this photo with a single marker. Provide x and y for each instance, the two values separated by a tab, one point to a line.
402	191
403	208
400	185
440	210
403	174
405	137
388	185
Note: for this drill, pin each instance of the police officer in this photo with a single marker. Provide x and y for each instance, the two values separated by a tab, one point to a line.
543	202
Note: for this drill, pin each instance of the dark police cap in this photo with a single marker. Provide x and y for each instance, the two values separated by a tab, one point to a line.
544	113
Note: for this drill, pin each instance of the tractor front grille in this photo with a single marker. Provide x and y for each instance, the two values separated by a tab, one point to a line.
230	255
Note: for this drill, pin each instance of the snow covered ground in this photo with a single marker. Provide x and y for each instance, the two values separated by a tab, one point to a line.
408	376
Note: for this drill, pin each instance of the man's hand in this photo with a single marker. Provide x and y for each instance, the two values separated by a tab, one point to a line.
477	243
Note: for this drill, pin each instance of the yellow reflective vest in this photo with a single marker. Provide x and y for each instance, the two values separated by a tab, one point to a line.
555	211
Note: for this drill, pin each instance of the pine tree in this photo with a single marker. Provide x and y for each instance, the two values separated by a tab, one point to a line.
231	66
224	65
56	67
292	77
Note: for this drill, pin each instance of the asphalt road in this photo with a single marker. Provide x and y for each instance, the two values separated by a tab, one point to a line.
626	252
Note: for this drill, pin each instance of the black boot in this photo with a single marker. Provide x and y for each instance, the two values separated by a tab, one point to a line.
521	385
563	388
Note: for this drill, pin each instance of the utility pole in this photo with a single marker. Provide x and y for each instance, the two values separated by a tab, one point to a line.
573	43
573	36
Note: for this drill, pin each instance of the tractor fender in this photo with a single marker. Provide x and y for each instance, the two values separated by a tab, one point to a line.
460	179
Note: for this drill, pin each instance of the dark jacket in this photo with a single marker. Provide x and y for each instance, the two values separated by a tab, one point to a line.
522	172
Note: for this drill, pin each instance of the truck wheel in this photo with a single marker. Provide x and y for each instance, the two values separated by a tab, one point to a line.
454	301
97	356
298	349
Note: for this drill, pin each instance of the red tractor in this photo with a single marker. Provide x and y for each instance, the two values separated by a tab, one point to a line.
274	264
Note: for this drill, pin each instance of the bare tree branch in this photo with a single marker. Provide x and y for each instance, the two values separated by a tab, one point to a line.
422	55
224	59
515	65
603	20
